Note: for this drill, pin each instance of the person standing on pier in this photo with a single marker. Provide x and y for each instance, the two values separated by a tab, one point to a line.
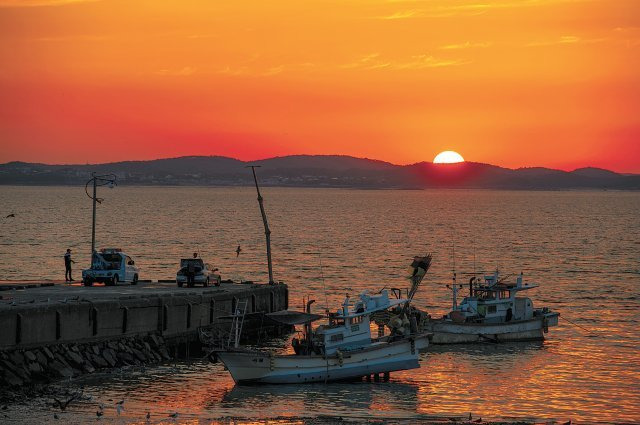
191	271
67	266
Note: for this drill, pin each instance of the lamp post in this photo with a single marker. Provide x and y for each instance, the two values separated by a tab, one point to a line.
97	180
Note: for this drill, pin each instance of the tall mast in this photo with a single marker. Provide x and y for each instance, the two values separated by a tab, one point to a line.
267	232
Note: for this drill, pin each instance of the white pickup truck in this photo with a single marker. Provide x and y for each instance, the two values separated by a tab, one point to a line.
110	266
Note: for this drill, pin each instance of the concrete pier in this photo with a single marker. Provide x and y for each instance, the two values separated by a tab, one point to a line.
45	315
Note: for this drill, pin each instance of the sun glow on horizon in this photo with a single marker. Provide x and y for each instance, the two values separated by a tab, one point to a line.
448	157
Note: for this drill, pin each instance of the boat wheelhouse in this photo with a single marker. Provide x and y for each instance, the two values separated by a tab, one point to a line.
493	311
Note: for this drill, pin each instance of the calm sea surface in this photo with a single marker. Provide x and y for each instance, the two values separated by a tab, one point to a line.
583	248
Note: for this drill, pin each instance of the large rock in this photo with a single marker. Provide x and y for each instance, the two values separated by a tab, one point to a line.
29	355
126	358
156	340
98	361
17	358
35	368
48	353
11	379
75	359
41	358
60	370
165	353
139	355
110	356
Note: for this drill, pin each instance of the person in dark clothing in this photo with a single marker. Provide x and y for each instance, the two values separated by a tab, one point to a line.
191	273
67	266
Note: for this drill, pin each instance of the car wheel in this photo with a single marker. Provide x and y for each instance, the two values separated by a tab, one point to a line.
114	280
206	283
135	279
87	281
180	284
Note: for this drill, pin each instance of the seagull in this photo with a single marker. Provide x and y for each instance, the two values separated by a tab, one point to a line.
10	215
238	251
99	413
63	404
174	415
148	416
55	416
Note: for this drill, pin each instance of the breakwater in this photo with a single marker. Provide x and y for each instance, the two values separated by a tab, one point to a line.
55	332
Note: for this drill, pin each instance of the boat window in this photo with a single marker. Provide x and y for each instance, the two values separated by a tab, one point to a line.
491	309
336	337
356	320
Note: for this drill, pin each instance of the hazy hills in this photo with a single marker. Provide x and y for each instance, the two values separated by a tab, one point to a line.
318	171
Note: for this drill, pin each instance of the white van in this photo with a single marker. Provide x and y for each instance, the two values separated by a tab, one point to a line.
110	266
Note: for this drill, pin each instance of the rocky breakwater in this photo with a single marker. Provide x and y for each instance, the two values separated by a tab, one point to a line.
51	363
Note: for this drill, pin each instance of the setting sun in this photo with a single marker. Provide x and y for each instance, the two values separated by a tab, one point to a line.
448	157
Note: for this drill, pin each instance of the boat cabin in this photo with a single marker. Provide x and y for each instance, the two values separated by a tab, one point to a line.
348	327
494	301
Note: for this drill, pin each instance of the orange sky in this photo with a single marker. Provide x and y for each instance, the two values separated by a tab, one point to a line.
515	83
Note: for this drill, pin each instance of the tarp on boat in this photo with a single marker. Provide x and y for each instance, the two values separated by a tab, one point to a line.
288	317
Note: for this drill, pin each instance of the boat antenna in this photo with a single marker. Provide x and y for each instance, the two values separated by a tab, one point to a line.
474	260
324	287
453	253
267	232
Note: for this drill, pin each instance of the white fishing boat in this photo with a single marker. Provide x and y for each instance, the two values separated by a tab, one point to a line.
341	349
493	312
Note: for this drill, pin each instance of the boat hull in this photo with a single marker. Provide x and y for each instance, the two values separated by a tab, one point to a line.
448	332
255	367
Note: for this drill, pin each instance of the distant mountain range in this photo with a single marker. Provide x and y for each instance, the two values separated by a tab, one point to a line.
318	171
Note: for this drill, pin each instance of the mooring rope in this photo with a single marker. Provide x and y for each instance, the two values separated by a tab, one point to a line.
575	324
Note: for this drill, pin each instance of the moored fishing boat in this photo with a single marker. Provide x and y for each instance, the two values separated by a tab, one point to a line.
341	349
493	312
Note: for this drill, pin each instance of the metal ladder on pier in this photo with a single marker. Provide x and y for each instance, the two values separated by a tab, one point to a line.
238	322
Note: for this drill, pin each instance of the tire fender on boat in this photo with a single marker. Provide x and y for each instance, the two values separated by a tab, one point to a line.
340	357
272	362
545	324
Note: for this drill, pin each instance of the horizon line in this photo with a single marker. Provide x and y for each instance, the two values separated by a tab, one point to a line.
318	155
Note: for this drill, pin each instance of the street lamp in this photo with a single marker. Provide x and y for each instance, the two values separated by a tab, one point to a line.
97	180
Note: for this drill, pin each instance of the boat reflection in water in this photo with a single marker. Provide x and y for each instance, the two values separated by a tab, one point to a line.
389	399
